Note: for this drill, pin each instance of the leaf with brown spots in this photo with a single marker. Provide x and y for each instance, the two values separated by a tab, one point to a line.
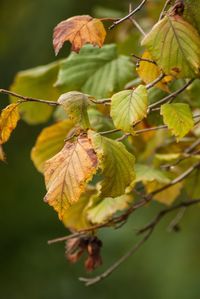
8	121
68	172
79	30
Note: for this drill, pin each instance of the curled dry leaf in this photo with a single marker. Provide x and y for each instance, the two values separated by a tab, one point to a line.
8	121
79	30
68	172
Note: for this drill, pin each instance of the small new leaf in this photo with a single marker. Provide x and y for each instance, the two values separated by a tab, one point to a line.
79	30
8	121
68	172
178	118
175	45
128	107
50	142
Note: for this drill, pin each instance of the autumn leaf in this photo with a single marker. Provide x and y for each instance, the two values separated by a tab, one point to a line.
68	172
50	142
149	72
128	107
178	118
75	217
8	121
79	30
2	154
175	45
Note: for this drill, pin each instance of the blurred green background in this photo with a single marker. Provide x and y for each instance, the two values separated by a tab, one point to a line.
167	267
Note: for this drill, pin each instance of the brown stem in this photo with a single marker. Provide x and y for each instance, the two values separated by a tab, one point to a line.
128	16
171	96
27	99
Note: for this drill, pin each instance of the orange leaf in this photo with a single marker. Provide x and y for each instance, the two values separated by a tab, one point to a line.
68	172
8	121
79	30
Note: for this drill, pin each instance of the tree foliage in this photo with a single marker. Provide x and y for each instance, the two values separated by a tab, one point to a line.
118	141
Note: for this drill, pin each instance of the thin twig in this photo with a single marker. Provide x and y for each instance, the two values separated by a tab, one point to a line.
27	99
94	280
102	101
171	96
151	129
150	85
148	230
109	132
128	16
144	59
162	213
135	23
173	226
167	3
177	179
65	238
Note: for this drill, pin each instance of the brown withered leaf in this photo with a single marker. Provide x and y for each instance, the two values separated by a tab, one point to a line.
79	30
8	121
68	172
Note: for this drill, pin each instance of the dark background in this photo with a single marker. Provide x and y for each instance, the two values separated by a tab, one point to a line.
167	267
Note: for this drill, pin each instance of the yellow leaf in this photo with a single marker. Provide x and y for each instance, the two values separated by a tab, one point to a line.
148	72
167	196
79	30
68	172
50	142
2	154
175	45
8	121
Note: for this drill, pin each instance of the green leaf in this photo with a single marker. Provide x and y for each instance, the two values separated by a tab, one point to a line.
192	185
75	217
98	72
106	208
38	83
178	118
128	107
75	105
145	173
175	45
117	166
191	12
50	142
